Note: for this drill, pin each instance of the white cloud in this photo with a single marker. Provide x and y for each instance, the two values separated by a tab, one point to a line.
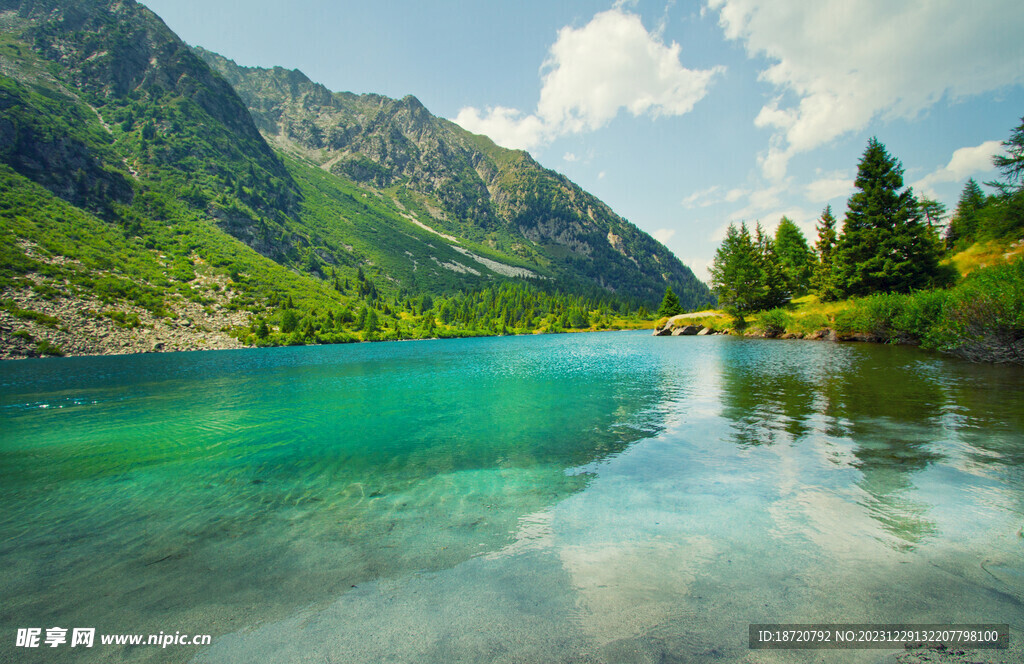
663	235
708	197
759	202
568	156
701	198
846	62
964	163
505	126
828	188
591	74
600	176
734	195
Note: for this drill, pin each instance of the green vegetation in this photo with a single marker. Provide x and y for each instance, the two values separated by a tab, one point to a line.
888	263
669	304
747	274
795	258
885	246
135	181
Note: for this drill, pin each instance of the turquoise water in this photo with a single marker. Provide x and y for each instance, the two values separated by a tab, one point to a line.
583	498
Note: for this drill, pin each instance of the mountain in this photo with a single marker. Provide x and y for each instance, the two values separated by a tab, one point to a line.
471	188
159	197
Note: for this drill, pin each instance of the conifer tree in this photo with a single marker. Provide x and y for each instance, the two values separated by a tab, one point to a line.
735	271
823	280
670	304
933	211
885	246
774	288
963	227
795	256
1012	163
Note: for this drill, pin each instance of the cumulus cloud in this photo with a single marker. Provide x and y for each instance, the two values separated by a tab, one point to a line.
964	163
827	188
838	64
505	126
591	74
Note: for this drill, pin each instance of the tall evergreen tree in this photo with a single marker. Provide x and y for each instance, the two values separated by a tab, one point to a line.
933	211
885	246
746	273
735	271
824	278
963	227
1003	215
670	304
774	288
795	256
1012	163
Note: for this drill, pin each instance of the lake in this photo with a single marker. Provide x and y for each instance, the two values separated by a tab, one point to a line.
596	497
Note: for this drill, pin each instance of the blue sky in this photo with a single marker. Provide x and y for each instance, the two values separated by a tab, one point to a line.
683	116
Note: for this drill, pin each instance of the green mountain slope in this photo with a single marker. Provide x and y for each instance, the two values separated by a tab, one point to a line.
142	207
467	186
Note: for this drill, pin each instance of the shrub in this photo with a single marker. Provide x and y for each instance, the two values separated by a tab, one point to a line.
920	313
809	324
983	318
773	322
47	347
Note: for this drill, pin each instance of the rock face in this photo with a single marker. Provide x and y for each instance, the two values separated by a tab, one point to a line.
481	191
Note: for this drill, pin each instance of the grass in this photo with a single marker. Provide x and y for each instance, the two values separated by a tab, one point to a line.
980	319
987	254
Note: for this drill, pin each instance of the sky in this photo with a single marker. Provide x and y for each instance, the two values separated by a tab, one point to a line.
683	116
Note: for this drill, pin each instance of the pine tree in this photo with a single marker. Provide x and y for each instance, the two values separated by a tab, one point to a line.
795	256
1012	163
670	304
735	272
885	247
773	290
933	211
963	227
372	322
824	279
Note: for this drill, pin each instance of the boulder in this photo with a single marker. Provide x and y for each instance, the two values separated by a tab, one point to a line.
687	331
663	332
706	331
824	334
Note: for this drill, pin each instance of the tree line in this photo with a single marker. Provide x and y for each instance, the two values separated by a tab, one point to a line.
891	241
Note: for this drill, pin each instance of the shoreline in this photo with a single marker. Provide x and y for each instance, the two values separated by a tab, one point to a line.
183	339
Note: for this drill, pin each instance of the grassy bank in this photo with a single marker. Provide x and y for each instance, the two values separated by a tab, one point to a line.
980	319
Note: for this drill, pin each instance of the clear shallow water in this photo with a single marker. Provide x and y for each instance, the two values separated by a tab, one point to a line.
597	497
